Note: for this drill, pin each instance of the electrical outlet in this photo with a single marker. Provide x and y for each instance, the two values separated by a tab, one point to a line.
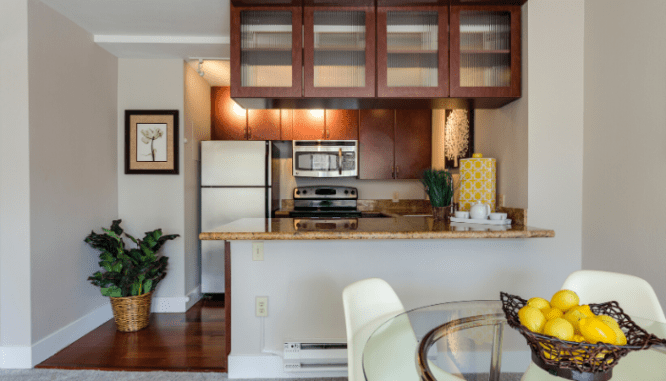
261	306
501	200
396	196
257	251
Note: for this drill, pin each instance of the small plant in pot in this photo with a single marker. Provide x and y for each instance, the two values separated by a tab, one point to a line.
439	186
131	273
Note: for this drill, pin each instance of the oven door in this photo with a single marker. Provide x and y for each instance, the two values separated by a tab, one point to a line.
324	158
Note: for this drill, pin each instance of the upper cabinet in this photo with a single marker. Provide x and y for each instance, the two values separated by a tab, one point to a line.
412	52
451	54
485	51
266	52
339	51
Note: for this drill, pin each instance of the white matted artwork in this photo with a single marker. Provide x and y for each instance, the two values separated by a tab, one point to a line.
151	140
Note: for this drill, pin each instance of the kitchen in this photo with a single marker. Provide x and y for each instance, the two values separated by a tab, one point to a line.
548	135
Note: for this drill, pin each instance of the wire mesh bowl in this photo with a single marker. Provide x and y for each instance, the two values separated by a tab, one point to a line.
579	361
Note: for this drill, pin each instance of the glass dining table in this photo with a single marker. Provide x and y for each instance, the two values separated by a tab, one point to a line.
472	341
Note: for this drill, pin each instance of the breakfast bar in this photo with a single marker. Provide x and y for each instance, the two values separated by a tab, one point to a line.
301	269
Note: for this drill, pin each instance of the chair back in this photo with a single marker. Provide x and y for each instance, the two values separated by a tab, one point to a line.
367	303
635	295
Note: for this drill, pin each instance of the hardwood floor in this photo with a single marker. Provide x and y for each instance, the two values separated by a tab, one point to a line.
192	341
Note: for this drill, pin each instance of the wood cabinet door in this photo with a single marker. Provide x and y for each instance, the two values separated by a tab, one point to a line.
339	51
413	143
342	124
286	124
308	125
376	144
228	119
413	52
266	51
485	51
263	124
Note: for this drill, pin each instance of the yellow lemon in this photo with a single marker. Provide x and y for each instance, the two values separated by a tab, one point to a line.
585	309
532	318
595	330
620	338
577	337
559	328
552	313
564	300
539	303
574	317
609	321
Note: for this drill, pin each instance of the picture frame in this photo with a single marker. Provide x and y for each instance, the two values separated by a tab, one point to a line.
151	142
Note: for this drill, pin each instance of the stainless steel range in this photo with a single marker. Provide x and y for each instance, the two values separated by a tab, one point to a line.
325	202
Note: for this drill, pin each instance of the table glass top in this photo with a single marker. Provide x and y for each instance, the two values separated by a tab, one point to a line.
485	348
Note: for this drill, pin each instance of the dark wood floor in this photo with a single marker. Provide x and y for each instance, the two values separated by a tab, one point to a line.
192	341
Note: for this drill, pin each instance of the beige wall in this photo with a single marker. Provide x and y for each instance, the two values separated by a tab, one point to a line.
14	178
197	128
625	139
73	186
148	202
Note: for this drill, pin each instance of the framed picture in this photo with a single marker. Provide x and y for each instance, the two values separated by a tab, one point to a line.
151	142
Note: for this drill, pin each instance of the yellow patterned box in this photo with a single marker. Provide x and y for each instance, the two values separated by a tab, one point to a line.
477	182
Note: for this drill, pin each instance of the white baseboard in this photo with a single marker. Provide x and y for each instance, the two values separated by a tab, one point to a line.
63	337
169	304
28	357
195	296
268	366
15	357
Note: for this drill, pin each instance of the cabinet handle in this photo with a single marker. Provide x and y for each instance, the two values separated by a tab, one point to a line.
393	171
249	133
397	171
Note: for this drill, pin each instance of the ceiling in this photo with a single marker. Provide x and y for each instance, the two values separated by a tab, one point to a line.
153	28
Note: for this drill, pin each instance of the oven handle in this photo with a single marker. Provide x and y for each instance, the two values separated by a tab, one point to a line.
340	161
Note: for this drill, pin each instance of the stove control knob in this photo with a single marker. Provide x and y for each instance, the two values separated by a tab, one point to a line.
298	192
305	192
353	193
346	192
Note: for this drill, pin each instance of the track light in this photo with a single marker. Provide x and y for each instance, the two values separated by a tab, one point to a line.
199	68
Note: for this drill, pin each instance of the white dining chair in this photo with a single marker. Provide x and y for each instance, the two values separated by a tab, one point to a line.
368	304
636	297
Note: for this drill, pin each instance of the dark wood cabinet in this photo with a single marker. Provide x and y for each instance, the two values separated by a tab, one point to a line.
339	51
228	119
376	144
266	51
413	143
263	124
394	144
341	124
286	124
413	52
485	51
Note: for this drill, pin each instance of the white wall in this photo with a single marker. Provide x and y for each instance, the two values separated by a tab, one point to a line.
197	128
15	327
625	135
73	187
148	202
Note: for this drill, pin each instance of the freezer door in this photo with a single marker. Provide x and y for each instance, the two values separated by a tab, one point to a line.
235	163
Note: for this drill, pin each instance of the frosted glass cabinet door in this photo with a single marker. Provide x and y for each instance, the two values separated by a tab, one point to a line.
412	52
485	51
339	51
266	55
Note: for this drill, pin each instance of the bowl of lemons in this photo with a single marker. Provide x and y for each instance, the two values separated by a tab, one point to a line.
574	341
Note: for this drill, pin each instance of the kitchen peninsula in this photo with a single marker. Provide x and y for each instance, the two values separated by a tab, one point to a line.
302	272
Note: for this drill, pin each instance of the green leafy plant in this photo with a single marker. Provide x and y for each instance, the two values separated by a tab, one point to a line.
129	272
439	185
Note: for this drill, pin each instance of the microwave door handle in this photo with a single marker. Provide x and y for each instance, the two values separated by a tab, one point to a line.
340	161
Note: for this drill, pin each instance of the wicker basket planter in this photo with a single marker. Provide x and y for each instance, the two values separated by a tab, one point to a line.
132	313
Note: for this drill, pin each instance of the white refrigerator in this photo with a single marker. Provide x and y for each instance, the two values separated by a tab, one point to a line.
236	182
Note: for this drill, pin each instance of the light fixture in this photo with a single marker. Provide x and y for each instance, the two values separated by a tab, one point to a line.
199	68
317	113
238	109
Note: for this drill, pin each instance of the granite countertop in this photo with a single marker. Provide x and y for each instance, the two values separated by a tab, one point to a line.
367	228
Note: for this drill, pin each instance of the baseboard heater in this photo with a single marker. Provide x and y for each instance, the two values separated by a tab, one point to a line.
328	355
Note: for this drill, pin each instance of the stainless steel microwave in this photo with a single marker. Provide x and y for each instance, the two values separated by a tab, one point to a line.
325	158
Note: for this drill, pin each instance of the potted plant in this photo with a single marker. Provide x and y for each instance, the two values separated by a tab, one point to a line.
131	274
439	186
